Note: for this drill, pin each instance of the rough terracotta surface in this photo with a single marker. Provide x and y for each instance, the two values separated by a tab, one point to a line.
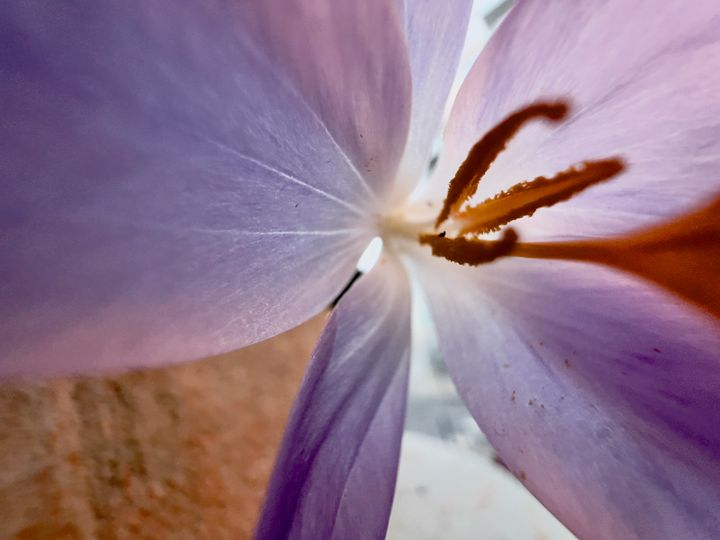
182	452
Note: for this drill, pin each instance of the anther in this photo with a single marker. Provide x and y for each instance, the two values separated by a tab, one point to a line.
470	251
525	198
467	178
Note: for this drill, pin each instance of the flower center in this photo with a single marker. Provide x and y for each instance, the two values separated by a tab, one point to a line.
681	255
521	200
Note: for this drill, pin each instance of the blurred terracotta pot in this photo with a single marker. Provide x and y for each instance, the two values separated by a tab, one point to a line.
181	452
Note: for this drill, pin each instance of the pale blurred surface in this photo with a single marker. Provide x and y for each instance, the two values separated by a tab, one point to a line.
448	492
178	453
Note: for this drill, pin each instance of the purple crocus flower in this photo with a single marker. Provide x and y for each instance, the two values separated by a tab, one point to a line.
185	177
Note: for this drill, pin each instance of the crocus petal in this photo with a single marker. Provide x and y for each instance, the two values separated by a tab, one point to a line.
600	392
436	34
349	61
176	181
335	473
643	80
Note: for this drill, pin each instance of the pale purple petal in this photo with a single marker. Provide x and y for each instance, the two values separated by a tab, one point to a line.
598	391
436	34
644	80
170	187
349	61
335	473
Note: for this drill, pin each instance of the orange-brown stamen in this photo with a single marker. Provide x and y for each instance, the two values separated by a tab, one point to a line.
524	199
470	251
681	256
483	153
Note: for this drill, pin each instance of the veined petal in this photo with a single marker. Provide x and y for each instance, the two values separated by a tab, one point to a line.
436	34
599	391
644	82
176	181
335	473
350	62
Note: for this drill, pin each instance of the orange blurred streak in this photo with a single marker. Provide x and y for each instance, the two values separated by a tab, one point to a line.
682	255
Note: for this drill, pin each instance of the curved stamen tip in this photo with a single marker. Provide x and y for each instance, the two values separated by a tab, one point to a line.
558	110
